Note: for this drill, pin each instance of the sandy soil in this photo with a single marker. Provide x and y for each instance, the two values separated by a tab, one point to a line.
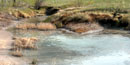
5	45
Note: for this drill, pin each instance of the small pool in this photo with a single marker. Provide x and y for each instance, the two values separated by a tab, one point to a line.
56	48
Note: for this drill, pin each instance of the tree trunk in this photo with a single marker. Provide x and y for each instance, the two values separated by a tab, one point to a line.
38	4
14	3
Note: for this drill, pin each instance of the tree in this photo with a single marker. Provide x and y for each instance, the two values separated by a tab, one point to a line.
14	3
38	4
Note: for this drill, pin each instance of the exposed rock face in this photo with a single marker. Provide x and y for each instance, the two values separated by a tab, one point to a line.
83	27
39	26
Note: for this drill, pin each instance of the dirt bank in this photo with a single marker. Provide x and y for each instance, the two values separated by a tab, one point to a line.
80	22
5	45
6	39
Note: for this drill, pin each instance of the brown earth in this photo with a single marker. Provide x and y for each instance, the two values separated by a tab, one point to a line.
5	19
5	45
88	21
83	27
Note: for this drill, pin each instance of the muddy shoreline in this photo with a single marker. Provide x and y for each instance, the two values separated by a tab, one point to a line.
64	24
5	46
23	60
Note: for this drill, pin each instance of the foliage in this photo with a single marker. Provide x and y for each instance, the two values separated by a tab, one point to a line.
59	3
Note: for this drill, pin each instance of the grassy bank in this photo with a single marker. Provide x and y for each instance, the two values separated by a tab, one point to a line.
69	3
91	3
88	4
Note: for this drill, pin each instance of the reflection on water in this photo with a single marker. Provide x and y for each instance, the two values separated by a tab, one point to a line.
68	49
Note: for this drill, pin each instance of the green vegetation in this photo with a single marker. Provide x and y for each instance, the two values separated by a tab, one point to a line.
120	6
59	3
101	5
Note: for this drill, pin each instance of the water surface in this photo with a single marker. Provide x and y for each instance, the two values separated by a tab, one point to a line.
72	49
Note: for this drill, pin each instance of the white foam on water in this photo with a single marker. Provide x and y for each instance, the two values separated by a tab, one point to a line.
120	58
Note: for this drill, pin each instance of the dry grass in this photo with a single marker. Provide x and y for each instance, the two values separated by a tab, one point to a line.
39	26
22	13
75	3
26	26
45	26
22	43
25	43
